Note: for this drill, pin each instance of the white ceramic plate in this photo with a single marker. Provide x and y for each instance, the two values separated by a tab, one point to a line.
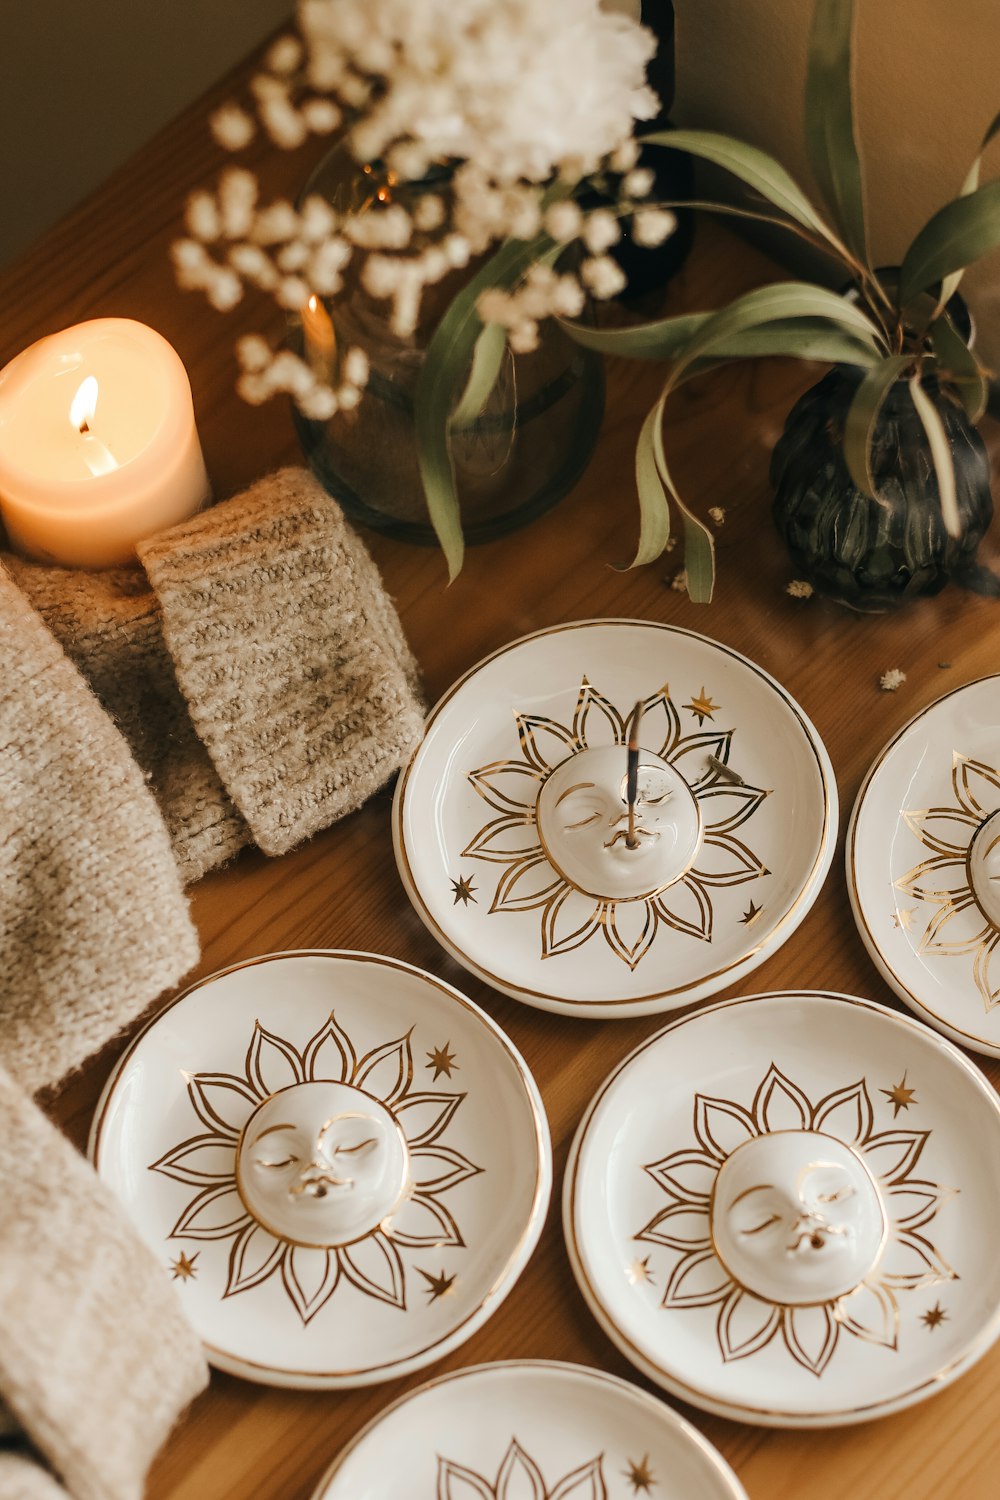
923	864
344	1163
529	1430
784	1209
509	830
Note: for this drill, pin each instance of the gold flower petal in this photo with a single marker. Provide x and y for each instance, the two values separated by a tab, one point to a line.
585	1483
688	1176
914	1204
983	971
871	1312
686	908
911	1261
505	839
214	1214
272	1063
596	720
464	1480
569	920
746	1324
425	1116
811	1336
699	1279
721	1125
946	830
509	786
436	1168
679	1227
201	1161
421	1222
527	884
374	1266
977	786
222	1101
846	1113
253	1258
329	1055
779	1104
691	756
940	878
544	743
630	928
956	927
725	860
310	1278
386	1072
893	1154
725	807
661	723
520	1477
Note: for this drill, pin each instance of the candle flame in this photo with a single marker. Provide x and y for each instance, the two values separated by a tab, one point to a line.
317	326
84	404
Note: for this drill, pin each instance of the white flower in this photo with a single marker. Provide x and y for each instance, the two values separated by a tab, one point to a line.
603	276
275	223
348	396
563	220
625	156
429	213
202	217
283	123
638	183
891	680
651	226
317	220
293	256
800	589
717	514
253	389
679	582
601	230
568	297
292	292
253	352
251	262
237	202
223	289
286	55
381	275
523	337
321	116
318	404
232	127
356	367
493	305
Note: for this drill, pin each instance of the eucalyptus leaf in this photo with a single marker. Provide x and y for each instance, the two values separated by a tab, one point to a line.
756	168
654	510
830	143
446	361
699	544
941	457
862	418
949	285
487	357
814	338
958	234
960	365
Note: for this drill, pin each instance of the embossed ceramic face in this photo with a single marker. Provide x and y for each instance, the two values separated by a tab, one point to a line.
797	1217
321	1164
984	867
583	823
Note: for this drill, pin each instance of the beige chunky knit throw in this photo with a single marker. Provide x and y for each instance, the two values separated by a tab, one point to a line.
253	683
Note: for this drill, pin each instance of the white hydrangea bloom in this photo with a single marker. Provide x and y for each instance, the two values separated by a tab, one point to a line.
232	127
563	220
651	226
603	276
638	183
601	230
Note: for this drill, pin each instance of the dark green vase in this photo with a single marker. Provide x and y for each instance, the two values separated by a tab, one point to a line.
874	555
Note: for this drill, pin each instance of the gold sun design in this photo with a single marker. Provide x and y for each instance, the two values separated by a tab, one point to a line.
958	924
569	917
519	1476
372	1264
746	1322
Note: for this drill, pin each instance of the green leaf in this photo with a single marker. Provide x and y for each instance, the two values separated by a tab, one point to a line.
654	511
803	338
487	358
958	234
699	544
761	172
448	355
949	285
959	364
863	415
941	458
830	143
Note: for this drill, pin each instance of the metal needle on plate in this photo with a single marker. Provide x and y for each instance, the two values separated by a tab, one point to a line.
632	776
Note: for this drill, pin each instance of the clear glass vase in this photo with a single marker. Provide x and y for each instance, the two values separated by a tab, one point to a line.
522	454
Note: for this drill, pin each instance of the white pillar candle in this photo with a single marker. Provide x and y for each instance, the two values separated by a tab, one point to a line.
98	444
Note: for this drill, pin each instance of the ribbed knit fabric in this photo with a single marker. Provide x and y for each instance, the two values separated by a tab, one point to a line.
109	625
289	654
22	1478
93	921
96	1357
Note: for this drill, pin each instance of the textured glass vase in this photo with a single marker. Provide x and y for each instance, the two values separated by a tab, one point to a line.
524	452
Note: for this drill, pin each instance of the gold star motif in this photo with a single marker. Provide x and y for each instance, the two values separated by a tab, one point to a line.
933	1317
903	917
639	1271
183	1268
899	1096
702	706
442	1060
639	1475
751	914
437	1286
463	890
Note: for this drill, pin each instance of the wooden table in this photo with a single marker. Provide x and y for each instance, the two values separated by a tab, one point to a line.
341	890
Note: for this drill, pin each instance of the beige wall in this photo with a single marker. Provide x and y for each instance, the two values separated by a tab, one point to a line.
928	84
83	83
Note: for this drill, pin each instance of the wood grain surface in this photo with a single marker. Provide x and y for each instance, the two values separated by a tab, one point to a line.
342	891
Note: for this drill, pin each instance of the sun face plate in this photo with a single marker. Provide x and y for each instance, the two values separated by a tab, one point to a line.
509	821
923	864
782	1208
529	1428
343	1162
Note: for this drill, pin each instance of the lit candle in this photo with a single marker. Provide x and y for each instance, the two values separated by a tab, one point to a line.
98	445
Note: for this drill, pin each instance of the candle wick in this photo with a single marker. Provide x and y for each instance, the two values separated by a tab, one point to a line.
632	775
84	426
